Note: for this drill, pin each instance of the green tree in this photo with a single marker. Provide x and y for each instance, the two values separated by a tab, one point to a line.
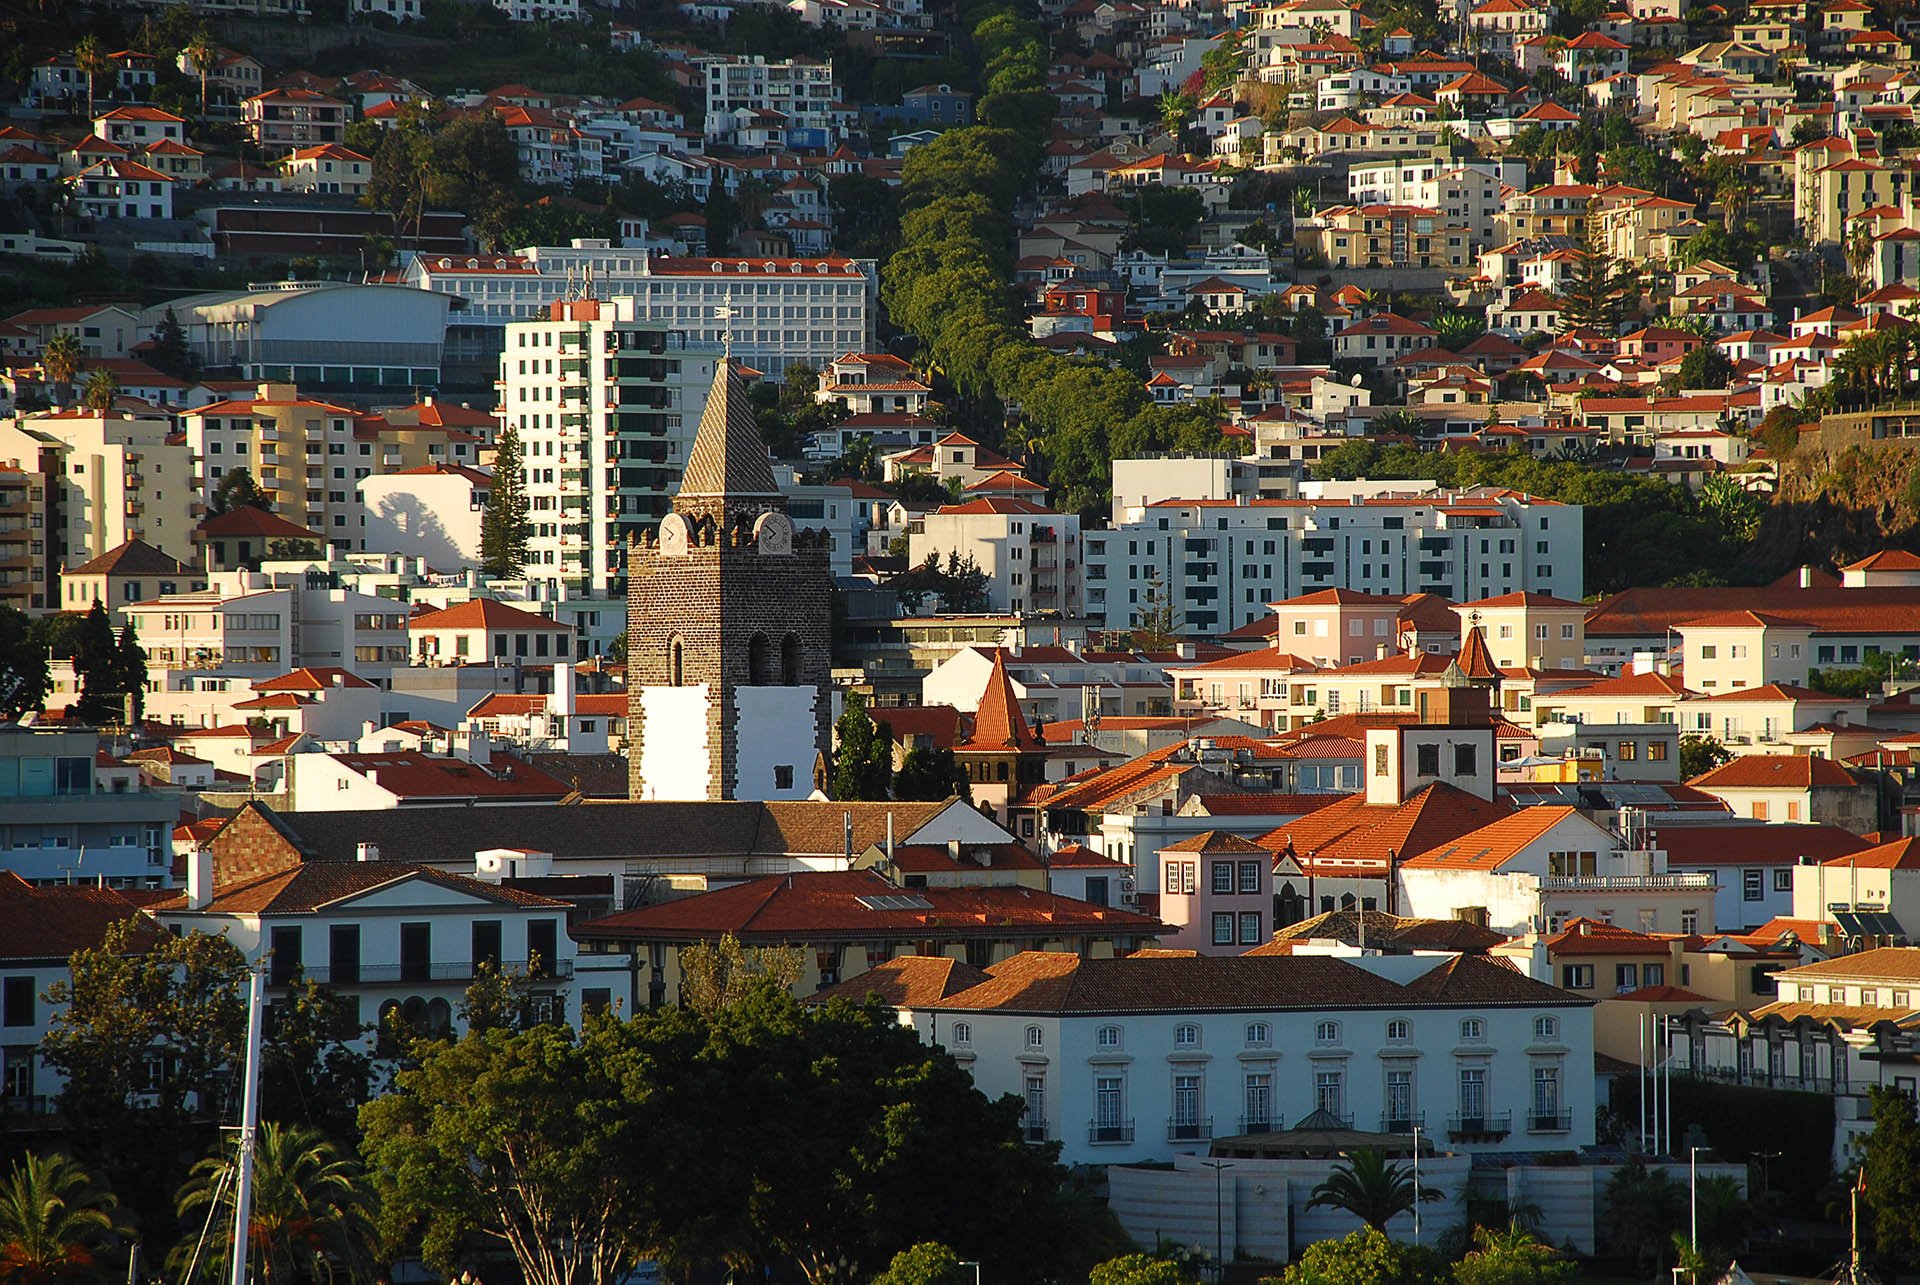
1891	1160
1642	1209
130	672
1512	1257
1700	754
1157	625
1457	328
23	665
142	1000
90	55
863	754
236	490
1366	1257
58	1225
60	362
97	666
503	527
1704	367
1370	1187
171	353
928	774
312	1213
1138	1269
312	1070
928	1263
1734	507
721	974
101	388
1599	287
507	1138
202	56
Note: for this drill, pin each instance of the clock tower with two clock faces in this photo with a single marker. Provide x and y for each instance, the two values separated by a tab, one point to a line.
728	611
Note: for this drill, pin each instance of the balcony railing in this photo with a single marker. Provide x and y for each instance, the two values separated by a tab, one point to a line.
1198	1129
1487	1124
371	974
1033	1130
1696	882
1110	1132
1260	1124
1549	1121
1402	1123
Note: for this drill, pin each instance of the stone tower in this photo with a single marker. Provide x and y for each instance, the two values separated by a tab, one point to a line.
728	611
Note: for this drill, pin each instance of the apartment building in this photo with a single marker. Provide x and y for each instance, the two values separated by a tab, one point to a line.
740	90
26	569
1386	236
122	476
775	313
606	402
1032	555
282	120
1219	563
61	822
249	624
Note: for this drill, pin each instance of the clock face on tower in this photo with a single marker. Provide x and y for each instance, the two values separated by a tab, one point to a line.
673	536
773	533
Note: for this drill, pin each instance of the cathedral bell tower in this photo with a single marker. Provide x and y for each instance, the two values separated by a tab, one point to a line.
728	611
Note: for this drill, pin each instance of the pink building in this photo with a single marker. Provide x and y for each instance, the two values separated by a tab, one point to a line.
1217	894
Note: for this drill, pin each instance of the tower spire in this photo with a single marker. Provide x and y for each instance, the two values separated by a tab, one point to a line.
729	457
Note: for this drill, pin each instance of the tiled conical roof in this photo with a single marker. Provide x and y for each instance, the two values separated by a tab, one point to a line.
999	724
1476	662
728	458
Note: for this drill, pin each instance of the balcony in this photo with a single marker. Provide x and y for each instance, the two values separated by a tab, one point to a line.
1198	1129
1549	1122
1697	882
453	971
1260	1124
1488	1126
1033	1129
1402	1123
1106	1133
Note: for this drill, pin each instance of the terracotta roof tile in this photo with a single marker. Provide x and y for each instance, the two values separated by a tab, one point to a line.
51	923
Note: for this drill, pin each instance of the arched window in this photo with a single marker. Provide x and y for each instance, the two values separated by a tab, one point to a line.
1326	1033
676	664
790	660
1473	1030
1399	1031
1036	1039
1186	1036
1347	901
962	1034
759	661
1259	1034
1108	1037
439	1018
1546	1028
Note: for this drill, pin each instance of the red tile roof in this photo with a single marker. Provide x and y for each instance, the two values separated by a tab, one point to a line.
910	981
413	775
861	905
314	885
999	724
1354	831
1492	846
1747	844
50	923
1901	854
1775	772
484	613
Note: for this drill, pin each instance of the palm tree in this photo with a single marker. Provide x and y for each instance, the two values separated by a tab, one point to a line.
200	56
101	388
91	57
1371	1188
1173	113
60	360
311	1208
1858	248
55	1223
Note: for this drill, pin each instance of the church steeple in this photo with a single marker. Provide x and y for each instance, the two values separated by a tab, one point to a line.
729	457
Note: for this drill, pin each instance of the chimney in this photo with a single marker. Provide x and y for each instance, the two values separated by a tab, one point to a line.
1586	927
366	852
1806	576
199	878
953	851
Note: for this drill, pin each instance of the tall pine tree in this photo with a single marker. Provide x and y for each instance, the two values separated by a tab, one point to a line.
503	529
1600	287
130	671
863	759
96	664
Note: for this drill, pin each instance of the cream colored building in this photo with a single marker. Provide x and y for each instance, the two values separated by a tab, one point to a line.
123	479
1734	649
1529	630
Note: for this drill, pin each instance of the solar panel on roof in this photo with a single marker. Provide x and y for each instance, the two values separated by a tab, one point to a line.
895	901
1868	923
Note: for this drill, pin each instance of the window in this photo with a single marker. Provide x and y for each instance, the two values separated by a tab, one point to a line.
962	1034
1222	877
1690	921
1250	876
1546	1097
1751	888
1399	1031
1783	879
1250	928
1259	1103
1326	1033
1473	1030
1546	1028
1107	1037
1656	751
1576	977
1628	751
1109	1109
285	950
1427	760
1259	1034
1223	928
1466	761
1036	1039
1186	1036
1473	1094
1329	1092
17	1002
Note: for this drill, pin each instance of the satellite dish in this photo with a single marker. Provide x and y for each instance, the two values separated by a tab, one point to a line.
1356	381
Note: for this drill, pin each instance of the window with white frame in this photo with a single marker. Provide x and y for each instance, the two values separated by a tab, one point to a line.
1186	1036
962	1034
1399	1031
1107	1037
1473	1030
1546	1028
1036	1039
1259	1034
1326	1033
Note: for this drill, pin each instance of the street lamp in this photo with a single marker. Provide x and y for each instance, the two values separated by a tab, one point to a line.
1693	1204
1219	1232
1416	1186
